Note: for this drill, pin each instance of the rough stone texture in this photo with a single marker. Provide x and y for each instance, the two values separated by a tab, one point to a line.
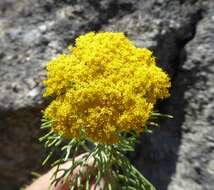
196	152
179	155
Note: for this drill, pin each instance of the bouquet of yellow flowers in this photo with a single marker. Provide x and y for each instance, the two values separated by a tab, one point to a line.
104	91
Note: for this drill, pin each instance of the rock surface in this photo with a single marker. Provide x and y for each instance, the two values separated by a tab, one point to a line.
178	156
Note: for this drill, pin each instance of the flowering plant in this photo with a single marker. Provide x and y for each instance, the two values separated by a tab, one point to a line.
104	91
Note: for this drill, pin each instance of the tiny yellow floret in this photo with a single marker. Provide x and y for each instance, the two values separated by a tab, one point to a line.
102	87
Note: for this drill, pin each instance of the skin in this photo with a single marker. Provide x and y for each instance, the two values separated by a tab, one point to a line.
43	182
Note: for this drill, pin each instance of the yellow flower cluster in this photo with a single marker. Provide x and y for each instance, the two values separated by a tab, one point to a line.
103	86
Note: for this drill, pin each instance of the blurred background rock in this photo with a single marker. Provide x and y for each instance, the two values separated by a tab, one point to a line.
179	155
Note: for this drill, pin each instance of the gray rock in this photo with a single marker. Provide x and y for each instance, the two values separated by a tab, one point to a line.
179	155
195	155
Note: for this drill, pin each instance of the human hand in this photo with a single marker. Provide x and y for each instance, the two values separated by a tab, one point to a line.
43	183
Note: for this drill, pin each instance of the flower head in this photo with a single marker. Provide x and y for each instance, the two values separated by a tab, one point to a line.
102	87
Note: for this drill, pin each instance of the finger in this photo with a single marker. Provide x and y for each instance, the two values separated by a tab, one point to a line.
100	185
89	167
85	170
